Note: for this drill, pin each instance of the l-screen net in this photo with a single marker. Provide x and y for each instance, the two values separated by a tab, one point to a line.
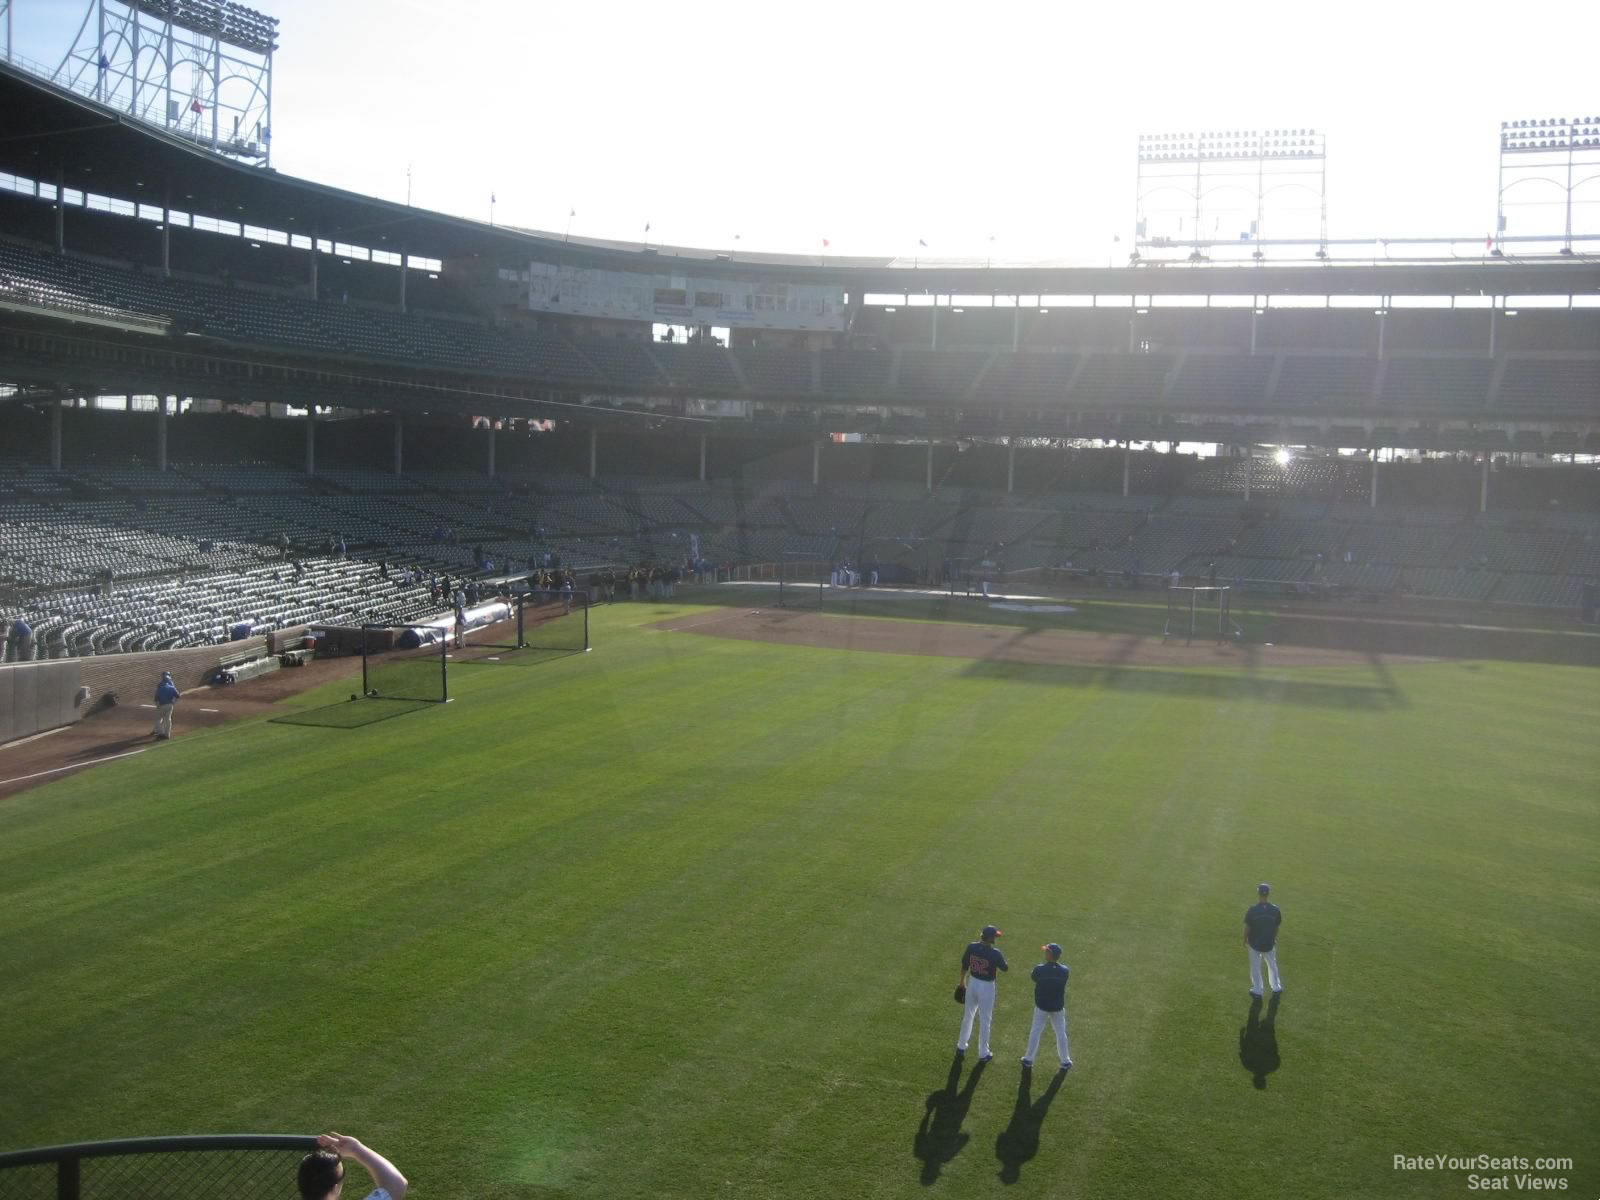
541	624
405	662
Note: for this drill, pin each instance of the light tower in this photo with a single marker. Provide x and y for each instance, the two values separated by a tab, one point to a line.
1560	153
199	69
1215	187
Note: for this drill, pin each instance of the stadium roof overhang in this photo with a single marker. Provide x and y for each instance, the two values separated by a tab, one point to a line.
52	134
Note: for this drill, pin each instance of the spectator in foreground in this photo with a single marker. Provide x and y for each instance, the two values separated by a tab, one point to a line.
322	1171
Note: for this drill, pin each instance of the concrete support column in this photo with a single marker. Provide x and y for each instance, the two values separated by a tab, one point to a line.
1016	324
1249	470
491	448
166	242
930	465
1373	502
702	458
61	212
161	433
816	463
312	277
594	452
399	444
311	440
1493	313
1127	466
403	284
1011	467
1483	487
55	435
933	343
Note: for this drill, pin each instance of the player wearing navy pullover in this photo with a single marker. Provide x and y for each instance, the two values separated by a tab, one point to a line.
1050	1005
1261	922
979	963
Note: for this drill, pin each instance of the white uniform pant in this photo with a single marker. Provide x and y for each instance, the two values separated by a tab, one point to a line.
980	1004
1271	957
163	721
1058	1021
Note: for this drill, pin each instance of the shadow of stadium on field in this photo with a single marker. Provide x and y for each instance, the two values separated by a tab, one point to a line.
1265	689
353	714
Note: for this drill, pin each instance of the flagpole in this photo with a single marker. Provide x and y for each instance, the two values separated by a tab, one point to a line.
568	232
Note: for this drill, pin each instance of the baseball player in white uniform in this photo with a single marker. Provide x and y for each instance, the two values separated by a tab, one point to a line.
975	989
1049	1005
1261	922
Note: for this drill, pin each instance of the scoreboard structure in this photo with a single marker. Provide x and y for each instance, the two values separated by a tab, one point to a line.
681	298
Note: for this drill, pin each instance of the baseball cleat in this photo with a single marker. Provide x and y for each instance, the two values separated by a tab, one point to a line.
1027	1062
985	1058
1066	1066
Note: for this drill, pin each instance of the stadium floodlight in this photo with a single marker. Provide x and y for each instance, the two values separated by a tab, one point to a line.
200	70
1197	165
1547	153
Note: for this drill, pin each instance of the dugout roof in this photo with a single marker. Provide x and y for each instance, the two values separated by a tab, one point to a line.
51	133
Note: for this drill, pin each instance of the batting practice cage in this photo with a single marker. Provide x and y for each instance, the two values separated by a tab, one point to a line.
539	624
1191	611
405	662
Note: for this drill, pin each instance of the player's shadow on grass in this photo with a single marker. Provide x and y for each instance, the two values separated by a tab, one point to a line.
1258	1041
1019	1141
939	1136
352	714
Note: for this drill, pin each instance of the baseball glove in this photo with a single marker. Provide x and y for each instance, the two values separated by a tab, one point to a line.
961	993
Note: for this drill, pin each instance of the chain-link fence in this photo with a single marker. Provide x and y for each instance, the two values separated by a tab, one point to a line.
234	1166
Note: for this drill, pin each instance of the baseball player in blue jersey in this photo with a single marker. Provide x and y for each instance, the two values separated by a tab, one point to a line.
1050	1005
975	989
1261	921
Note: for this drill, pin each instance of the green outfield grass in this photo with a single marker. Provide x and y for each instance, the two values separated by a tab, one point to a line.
681	917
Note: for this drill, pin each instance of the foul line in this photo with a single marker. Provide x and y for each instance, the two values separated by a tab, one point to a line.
71	767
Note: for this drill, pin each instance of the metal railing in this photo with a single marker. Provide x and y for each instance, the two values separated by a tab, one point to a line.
238	1166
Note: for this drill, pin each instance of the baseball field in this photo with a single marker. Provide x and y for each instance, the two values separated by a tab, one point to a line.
681	917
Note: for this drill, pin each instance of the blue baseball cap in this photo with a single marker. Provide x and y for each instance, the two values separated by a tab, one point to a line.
990	931
1262	889
1053	950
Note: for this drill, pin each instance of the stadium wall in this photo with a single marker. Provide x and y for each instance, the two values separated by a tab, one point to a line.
133	677
37	696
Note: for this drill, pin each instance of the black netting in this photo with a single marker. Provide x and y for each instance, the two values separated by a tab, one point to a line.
194	1175
207	1173
37	1181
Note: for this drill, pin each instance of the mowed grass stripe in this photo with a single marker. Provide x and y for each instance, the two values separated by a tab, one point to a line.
681	916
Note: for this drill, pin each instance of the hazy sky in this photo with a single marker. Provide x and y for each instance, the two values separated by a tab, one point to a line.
876	124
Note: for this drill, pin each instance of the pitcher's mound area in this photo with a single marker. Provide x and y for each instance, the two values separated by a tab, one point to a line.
1044	647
